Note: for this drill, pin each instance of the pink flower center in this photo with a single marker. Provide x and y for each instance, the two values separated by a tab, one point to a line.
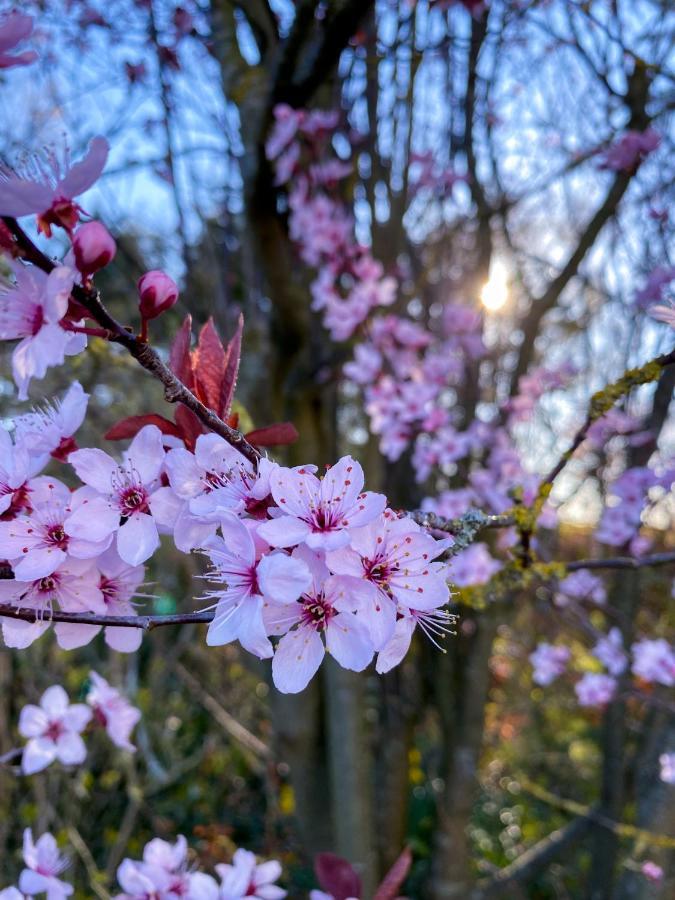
54	730
57	536
37	320
379	571
63	212
133	499
109	588
47	585
316	612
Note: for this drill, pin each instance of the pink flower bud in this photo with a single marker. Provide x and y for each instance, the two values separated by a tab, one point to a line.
93	246
158	293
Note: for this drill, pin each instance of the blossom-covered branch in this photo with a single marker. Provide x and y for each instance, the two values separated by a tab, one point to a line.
174	390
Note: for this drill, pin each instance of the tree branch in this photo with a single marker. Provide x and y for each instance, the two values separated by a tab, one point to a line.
149	623
536	859
174	389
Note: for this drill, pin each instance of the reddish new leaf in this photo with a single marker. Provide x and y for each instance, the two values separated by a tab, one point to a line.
180	361
395	877
210	362
128	428
336	876
273	435
229	381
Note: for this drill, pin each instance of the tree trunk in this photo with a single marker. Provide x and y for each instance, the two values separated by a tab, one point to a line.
462	686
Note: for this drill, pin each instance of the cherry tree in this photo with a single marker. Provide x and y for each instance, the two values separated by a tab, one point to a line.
404	506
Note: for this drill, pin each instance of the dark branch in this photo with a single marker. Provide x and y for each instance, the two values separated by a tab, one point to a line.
147	623
623	562
536	859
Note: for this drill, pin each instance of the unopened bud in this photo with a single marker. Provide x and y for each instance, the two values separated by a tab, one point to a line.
93	247
157	293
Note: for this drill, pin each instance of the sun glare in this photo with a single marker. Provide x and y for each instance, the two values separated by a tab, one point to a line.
495	292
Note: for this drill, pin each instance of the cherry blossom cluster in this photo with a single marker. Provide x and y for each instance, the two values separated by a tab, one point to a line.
53	729
349	281
652	661
622	516
319	563
61	558
164	873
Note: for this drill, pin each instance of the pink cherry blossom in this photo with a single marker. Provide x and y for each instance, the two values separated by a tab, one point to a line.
609	651
594	689
473	566
135	883
49	429
324	612
37	543
667	764
657	282
626	154
244	877
286	123
320	512
450	504
112	710
395	557
48	185
44	864
435	623
654	660
14	29
249	580
163	873
32	311
214	479
548	662
121	496
651	871
53	730
17	466
581	585
73	587
117	582
11	893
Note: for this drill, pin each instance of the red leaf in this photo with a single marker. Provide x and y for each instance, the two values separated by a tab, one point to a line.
210	361
273	435
128	428
229	381
336	876
180	361
395	877
189	425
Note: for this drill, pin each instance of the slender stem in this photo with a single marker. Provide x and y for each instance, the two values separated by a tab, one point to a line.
623	562
85	329
148	623
667	359
174	389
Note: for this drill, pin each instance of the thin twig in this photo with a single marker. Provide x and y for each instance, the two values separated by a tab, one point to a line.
623	562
